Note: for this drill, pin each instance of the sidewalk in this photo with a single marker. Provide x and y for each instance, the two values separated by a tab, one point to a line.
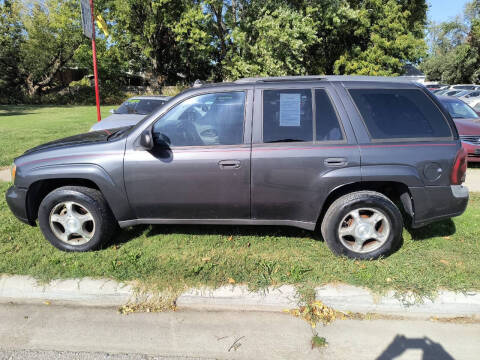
5	174
97	333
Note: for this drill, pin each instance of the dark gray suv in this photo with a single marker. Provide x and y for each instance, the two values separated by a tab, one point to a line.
355	157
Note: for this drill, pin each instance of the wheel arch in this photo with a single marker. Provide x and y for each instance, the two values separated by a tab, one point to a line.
397	192
48	178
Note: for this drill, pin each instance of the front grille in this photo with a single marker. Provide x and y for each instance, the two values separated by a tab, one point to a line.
472	139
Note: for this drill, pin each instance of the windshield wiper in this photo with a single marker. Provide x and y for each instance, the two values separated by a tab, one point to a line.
118	133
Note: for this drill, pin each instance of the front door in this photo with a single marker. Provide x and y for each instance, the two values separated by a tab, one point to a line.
204	172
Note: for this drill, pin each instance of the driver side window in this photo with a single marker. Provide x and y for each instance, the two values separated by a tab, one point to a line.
210	119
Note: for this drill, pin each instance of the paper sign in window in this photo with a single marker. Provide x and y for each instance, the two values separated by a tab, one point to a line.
289	109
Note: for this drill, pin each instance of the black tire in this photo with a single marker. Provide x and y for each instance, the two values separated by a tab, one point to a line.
341	207
90	199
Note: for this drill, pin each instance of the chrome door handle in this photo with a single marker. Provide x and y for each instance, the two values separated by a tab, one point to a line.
335	162
229	164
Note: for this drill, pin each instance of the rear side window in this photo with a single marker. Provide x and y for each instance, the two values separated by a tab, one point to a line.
400	114
326	122
287	115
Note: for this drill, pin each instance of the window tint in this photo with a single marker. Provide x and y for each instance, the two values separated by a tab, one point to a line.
327	125
211	119
287	115
400	113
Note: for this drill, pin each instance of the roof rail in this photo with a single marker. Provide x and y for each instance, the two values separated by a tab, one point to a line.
280	78
322	77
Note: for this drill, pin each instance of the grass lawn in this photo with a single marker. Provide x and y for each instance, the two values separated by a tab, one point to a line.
23	127
442	255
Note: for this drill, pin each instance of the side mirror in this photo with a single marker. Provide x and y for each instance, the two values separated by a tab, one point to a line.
146	140
162	140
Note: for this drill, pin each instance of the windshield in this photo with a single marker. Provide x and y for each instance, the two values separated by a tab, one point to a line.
458	109
462	93
139	106
451	92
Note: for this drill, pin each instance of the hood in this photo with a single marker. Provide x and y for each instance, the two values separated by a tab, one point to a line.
468	126
114	117
117	121
81	139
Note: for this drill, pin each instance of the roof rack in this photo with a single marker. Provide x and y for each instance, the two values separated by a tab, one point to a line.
279	78
321	77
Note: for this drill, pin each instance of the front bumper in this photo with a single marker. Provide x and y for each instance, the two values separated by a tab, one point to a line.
17	202
473	151
435	203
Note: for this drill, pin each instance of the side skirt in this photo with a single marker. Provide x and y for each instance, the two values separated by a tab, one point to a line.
299	224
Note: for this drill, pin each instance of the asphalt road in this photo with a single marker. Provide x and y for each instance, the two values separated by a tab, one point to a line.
51	332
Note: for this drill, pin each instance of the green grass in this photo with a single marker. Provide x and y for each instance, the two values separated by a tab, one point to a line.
23	127
442	255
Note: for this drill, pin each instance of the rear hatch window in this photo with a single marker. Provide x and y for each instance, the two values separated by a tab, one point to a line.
400	114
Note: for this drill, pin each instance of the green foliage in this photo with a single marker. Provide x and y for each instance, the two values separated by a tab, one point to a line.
174	42
389	44
53	35
455	48
11	41
277	45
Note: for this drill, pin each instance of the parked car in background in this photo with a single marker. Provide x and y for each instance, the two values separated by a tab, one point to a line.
477	108
472	98
465	87
435	86
468	125
356	157
450	92
131	112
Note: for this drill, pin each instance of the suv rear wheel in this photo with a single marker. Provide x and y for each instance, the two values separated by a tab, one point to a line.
363	225
76	218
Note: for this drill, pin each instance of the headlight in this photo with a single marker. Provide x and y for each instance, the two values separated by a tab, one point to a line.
13	171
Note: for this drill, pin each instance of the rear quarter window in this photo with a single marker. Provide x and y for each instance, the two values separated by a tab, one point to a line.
400	114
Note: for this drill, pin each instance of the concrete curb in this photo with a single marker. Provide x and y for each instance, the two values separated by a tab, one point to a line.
5	174
91	292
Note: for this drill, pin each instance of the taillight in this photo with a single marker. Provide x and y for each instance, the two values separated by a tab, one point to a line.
459	169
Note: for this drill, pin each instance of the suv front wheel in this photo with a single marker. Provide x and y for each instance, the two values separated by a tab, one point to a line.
363	225
76	218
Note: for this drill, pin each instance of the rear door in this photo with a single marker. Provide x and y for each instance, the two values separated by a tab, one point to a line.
303	147
404	136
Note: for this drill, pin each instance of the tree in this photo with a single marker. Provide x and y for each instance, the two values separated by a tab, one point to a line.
455	48
53	34
11	40
388	41
275	44
168	37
